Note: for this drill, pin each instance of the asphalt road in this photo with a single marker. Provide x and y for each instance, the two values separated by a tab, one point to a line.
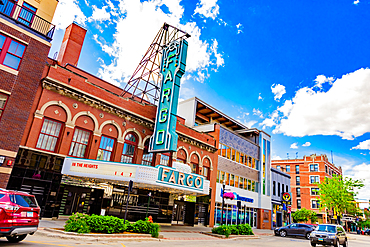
41	241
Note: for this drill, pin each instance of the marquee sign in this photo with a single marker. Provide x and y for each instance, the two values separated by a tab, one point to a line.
159	176
173	64
168	175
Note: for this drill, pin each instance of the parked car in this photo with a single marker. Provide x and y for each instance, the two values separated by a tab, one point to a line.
19	215
329	234
295	229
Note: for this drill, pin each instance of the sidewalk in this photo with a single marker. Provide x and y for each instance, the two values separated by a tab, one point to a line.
167	231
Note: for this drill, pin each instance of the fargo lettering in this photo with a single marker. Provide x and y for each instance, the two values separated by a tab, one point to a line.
171	176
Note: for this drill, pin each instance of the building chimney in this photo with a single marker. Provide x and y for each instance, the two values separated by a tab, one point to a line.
70	49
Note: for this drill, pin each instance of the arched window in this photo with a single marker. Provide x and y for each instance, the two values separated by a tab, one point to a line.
181	156
165	159
105	148
194	163
129	148
147	157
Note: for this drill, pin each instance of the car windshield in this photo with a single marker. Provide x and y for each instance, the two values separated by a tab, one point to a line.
325	228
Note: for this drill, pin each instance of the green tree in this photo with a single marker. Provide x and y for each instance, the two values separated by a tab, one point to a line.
338	194
303	215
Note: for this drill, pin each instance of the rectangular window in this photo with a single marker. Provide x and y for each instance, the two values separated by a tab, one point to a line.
147	158
232	179
254	186
105	148
326	169
222	176
245	184
314	191
165	159
227	178
298	180
314	179
297	169
282	188
315	204
79	143
278	167
287	168
206	172
27	14
249	185
236	181
287	189
241	182
228	152
314	167
49	135
274	188
298	190
3	100
233	154
298	203
11	52
237	159
278	189
218	177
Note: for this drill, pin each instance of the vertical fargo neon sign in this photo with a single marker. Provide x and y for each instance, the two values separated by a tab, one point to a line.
173	64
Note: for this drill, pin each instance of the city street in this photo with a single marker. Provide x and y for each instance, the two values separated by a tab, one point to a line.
36	240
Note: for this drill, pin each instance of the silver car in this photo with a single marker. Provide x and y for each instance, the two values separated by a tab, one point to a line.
329	234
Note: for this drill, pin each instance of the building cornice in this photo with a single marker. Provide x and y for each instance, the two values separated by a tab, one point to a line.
76	94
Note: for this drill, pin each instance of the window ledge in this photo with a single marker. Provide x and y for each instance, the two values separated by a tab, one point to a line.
9	70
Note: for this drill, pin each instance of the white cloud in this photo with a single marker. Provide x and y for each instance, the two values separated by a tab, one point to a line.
365	145
207	8
132	17
341	110
307	144
321	79
239	28
360	172
67	12
260	97
278	90
356	2
99	15
294	145
257	112
276	157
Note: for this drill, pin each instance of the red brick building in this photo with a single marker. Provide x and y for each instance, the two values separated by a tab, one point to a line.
78	115
25	36
305	173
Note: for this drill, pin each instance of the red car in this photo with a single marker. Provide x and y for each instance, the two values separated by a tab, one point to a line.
19	215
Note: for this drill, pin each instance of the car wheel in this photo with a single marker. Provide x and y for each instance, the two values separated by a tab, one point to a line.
336	243
308	234
313	244
283	233
16	239
345	244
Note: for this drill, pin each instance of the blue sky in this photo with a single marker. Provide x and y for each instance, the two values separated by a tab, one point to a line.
298	70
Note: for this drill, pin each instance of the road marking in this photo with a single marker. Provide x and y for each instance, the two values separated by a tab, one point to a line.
123	245
38	242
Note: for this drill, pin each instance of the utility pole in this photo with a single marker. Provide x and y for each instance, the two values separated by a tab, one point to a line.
223	203
130	184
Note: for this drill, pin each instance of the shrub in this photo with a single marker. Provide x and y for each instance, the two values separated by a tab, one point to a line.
77	223
242	229
106	224
245	229
222	230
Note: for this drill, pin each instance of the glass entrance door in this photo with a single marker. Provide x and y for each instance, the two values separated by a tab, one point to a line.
178	213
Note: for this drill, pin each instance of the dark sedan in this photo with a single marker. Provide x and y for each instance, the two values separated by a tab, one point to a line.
329	234
295	229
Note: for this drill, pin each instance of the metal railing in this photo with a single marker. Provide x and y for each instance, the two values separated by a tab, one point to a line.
27	17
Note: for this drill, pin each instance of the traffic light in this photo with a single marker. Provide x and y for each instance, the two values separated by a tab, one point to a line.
130	185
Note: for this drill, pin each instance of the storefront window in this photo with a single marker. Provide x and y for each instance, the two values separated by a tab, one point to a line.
129	149
105	148
79	143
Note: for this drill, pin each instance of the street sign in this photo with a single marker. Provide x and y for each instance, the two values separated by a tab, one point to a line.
286	197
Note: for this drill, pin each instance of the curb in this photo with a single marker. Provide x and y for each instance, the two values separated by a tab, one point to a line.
52	233
236	237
